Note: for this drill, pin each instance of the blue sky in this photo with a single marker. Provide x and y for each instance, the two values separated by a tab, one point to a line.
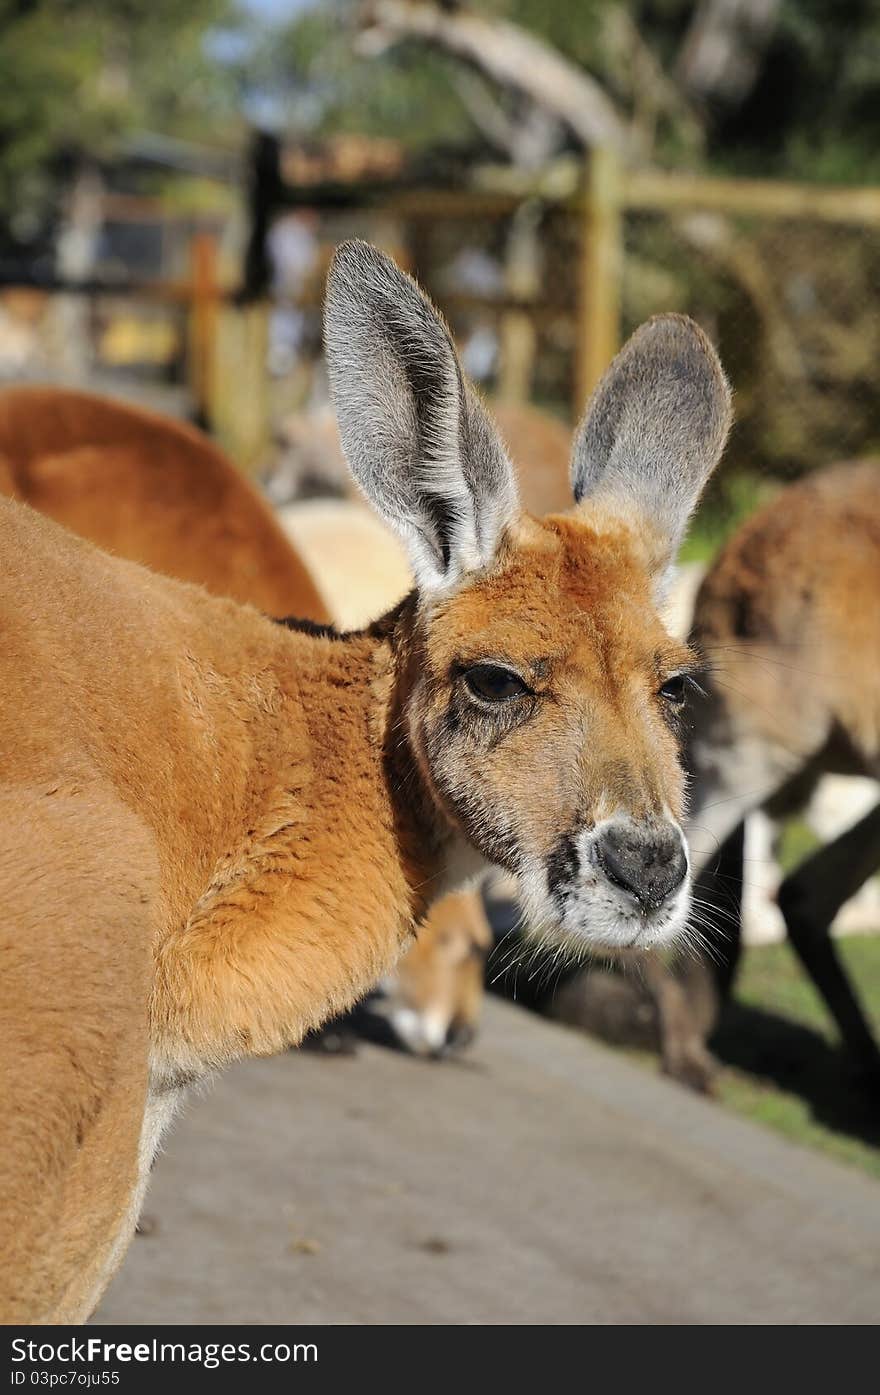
274	10
229	44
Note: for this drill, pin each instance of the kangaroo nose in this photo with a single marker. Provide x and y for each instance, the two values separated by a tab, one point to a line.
648	861
459	1034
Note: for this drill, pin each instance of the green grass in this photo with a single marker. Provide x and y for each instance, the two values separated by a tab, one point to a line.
796	841
782	1065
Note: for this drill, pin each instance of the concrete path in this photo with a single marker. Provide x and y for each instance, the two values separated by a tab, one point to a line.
543	1179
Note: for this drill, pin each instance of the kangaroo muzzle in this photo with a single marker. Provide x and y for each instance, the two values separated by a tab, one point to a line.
647	860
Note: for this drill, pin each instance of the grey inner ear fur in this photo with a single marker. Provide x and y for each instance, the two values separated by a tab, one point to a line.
415	437
656	425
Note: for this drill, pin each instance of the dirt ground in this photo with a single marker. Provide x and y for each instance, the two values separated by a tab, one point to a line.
541	1179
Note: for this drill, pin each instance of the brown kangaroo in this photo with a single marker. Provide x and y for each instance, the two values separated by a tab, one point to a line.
152	490
219	830
155	491
788	619
431	1005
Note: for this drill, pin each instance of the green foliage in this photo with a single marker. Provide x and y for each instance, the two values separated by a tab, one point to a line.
316	80
575	30
410	91
832	50
813	114
76	74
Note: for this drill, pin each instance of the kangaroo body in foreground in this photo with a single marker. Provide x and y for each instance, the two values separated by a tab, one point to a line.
218	831
156	491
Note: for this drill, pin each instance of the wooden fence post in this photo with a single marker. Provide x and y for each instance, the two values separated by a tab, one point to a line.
203	323
240	415
517	330
601	269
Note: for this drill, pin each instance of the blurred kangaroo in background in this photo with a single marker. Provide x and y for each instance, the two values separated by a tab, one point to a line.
788	619
308	462
153	490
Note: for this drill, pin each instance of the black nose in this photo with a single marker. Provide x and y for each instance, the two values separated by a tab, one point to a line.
649	861
459	1035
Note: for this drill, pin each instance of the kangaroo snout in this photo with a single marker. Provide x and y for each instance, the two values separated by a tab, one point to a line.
647	859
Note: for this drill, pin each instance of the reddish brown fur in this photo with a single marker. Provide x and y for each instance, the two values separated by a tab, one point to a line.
152	490
155	683
576	598
156	492
197	736
783	600
789	620
540	444
263	814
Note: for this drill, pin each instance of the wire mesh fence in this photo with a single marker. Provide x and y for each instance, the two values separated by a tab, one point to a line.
793	307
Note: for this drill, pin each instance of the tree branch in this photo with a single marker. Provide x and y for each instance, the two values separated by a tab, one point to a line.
528	138
639	74
508	54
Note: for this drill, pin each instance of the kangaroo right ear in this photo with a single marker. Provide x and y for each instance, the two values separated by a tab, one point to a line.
416	439
653	432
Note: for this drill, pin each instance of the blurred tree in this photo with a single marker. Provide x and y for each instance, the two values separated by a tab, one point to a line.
814	109
774	86
77	74
307	75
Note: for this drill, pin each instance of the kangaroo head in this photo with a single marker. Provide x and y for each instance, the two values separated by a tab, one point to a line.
544	694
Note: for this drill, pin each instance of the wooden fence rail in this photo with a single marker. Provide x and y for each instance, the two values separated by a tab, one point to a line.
226	326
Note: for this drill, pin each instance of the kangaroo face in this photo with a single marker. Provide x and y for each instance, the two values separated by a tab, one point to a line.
543	689
546	716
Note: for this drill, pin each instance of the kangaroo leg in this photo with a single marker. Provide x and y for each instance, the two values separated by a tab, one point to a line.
718	899
688	997
734	779
809	900
75	943
683	1048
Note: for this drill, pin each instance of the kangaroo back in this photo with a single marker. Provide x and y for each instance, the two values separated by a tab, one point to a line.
791	602
152	490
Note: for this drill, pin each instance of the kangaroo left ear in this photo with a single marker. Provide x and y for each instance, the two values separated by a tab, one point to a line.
653	433
416	438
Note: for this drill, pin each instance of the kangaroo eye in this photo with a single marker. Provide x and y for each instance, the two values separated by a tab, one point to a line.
674	689
491	683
